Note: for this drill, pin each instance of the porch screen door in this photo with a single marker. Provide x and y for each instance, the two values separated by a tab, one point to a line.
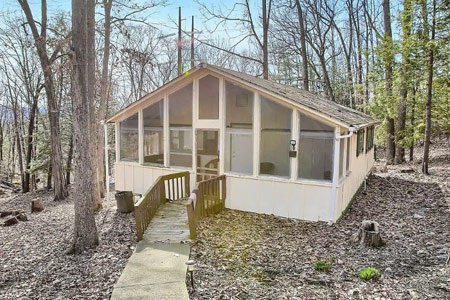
207	153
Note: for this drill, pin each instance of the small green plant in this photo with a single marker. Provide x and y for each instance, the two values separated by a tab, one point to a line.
321	266
369	274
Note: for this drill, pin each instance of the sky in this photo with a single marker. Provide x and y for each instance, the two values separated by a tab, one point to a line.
162	15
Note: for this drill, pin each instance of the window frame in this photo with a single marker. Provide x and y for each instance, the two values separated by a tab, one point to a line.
133	161
155	129
360	142
270	99
322	135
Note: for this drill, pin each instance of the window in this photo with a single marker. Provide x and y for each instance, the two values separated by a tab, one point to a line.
341	157
208	99
347	165
153	133
275	137
360	142
239	129
369	138
129	139
180	126
315	157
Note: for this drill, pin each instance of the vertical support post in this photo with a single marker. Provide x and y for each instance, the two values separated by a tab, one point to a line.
256	132
344	160
138	216
195	93
141	136
295	136
117	134
222	130
180	68
105	127
335	174
187	184
224	190
166	129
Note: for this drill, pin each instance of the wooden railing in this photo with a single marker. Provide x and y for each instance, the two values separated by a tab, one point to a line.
208	198
167	187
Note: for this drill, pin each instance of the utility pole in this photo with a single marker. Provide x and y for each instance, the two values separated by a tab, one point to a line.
192	44
180	68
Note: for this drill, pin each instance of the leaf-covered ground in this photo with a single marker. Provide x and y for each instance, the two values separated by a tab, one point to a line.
244	255
33	259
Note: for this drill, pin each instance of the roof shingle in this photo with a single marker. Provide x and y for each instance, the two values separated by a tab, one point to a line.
310	100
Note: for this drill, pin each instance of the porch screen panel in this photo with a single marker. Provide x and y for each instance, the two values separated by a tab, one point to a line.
180	124
275	138
154	133
315	150
239	129
208	98
129	139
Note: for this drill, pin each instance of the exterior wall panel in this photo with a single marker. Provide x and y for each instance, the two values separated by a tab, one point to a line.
286	199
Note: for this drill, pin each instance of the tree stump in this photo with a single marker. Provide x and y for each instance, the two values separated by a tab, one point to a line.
369	234
10	221
37	205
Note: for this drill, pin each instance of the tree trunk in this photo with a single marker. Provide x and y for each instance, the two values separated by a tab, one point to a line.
16	131
29	154
85	229
69	161
49	174
390	134
413	112
265	40
430	67
1	138
401	119
104	96
303	46
91	102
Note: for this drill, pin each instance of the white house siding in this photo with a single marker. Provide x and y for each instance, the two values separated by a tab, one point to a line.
359	168
139	178
281	198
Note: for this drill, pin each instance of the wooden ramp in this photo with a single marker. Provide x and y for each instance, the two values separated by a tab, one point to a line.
170	224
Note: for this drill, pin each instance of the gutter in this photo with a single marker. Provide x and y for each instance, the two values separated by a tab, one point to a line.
351	129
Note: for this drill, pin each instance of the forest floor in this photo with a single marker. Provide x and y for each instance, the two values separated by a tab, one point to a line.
33	259
242	255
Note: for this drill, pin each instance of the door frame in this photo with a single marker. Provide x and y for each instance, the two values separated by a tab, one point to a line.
219	152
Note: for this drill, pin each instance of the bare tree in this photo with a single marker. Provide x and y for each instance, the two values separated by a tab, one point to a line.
40	40
301	23
242	13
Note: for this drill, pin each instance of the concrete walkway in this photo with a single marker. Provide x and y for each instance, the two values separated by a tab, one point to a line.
156	269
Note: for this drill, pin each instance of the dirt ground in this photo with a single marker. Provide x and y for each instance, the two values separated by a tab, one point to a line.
242	255
33	259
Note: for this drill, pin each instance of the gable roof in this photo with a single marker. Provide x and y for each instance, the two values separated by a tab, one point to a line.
317	103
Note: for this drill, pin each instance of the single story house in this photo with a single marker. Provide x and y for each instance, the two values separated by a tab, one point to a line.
285	151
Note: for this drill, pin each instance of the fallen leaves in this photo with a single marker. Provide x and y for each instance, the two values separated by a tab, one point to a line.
33	259
242	255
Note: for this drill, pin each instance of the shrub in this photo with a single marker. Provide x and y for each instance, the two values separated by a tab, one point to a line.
369	273
321	266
